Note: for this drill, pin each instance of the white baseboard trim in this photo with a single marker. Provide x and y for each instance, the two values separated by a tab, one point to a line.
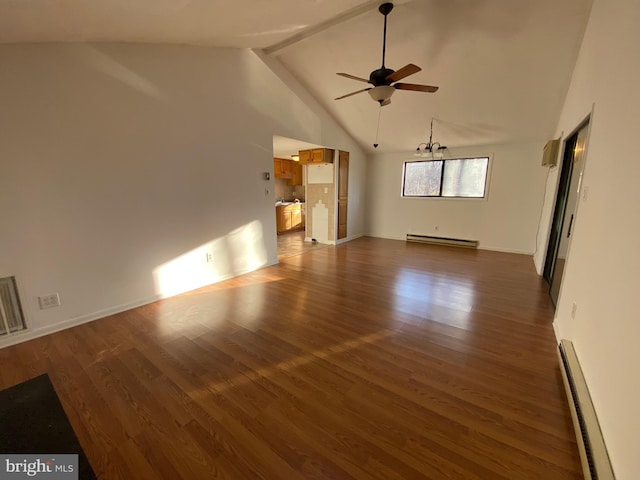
26	335
337	242
556	331
328	242
348	239
505	250
385	238
30	334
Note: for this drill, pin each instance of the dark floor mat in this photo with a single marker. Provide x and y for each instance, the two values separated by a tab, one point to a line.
32	420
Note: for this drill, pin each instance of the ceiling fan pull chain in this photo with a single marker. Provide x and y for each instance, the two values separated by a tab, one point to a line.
375	145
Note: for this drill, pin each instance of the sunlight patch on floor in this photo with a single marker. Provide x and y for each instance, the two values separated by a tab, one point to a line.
434	297
266	372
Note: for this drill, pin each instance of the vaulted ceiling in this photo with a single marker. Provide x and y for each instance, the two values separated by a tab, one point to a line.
503	66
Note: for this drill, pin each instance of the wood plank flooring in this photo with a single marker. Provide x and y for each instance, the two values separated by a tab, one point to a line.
375	359
292	243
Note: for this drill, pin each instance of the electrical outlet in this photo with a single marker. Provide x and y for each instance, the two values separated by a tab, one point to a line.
209	257
574	309
437	227
49	301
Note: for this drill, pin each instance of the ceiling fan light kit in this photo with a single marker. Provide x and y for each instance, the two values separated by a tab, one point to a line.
383	79
382	93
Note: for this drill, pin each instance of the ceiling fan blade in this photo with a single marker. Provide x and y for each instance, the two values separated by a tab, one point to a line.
405	71
353	77
352	93
415	87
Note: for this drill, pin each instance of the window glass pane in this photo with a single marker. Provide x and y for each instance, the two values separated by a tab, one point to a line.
422	178
464	177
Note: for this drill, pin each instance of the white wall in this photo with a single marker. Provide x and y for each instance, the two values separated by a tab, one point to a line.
122	166
601	274
506	220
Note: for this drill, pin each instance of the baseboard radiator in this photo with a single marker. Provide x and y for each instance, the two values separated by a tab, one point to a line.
593	452
454	242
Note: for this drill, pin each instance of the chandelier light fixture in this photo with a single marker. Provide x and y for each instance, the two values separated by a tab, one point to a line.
431	149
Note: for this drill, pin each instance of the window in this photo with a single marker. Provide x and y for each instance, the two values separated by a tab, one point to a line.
451	178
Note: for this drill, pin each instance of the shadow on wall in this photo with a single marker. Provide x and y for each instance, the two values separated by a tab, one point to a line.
240	251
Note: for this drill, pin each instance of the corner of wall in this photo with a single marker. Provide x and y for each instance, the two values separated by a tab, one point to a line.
556	330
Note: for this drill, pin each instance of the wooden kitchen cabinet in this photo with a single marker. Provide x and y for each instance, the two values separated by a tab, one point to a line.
304	157
283	219
289	217
296	218
282	168
296	174
316	156
287	170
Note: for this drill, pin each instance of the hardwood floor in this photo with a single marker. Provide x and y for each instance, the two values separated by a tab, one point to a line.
375	359
292	243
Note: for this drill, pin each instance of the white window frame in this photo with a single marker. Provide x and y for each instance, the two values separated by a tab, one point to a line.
485	197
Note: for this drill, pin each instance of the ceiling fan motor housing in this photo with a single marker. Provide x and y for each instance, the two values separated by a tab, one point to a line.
379	77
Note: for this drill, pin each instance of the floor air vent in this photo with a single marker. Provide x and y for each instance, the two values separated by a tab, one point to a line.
593	452
454	242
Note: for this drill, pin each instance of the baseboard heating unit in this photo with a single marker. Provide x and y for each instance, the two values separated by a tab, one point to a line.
593	452
454	242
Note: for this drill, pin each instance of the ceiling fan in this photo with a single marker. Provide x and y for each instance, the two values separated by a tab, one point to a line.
383	78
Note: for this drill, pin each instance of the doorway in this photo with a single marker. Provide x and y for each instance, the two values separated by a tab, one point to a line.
564	216
343	193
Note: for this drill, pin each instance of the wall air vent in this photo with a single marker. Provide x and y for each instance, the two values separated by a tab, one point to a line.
11	318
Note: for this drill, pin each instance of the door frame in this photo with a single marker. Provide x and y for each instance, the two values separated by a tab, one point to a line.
342	195
560	202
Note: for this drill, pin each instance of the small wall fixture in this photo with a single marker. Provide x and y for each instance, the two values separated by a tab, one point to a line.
430	149
550	153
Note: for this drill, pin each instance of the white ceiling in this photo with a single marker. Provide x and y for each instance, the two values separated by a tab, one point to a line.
503	66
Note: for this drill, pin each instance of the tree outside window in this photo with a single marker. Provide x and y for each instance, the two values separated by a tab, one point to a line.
451	178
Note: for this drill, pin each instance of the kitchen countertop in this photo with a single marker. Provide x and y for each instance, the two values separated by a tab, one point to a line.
280	203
